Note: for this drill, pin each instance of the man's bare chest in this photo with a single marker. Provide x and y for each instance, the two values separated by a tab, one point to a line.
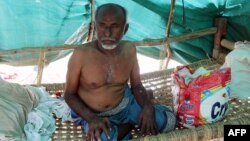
105	72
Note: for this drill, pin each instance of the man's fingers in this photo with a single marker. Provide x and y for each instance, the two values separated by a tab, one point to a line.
156	129
149	128
108	123
143	127
91	136
88	137
140	122
106	131
153	130
97	135
106	127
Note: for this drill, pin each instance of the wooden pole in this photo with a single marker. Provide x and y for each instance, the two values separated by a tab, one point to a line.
92	24
221	24
143	43
35	50
164	64
178	38
41	63
227	44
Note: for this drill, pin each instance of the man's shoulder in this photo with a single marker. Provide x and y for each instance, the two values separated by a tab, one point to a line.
128	45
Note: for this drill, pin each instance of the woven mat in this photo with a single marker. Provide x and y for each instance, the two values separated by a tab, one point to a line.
67	131
159	82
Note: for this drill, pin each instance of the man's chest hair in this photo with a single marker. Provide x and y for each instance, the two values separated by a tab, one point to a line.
103	74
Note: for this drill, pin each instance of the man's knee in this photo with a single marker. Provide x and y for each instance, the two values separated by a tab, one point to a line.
165	118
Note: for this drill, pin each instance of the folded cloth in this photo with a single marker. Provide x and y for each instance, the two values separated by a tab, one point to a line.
40	126
128	111
15	104
41	122
26	113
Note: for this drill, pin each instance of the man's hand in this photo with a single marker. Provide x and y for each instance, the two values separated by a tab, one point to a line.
96	126
147	121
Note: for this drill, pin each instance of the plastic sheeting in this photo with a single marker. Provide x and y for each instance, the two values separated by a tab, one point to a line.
43	23
39	23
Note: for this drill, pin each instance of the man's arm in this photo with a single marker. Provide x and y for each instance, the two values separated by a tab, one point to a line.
147	119
72	82
138	89
72	98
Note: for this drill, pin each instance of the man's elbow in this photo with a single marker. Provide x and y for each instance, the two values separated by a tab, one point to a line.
68	97
136	86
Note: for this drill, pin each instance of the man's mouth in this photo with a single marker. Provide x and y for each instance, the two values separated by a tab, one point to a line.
108	41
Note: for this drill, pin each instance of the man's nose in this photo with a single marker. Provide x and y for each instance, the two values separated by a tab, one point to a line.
107	32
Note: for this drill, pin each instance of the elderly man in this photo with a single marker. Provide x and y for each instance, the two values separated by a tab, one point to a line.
97	84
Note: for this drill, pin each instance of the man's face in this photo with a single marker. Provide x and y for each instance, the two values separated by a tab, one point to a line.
110	27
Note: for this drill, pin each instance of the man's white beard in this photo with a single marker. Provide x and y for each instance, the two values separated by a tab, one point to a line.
109	47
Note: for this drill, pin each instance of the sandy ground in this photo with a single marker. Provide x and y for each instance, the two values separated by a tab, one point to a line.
55	72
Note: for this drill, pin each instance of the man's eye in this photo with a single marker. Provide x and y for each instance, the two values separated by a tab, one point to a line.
101	24
115	25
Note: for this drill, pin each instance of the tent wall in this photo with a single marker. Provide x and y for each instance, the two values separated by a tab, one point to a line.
46	23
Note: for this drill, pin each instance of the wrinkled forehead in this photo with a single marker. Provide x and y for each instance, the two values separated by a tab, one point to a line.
110	12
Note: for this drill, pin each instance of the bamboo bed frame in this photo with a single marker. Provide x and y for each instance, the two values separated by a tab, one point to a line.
159	82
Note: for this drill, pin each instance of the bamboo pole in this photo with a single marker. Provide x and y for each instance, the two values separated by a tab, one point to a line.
143	43
41	63
221	24
35	50
178	38
227	44
167	49
92	25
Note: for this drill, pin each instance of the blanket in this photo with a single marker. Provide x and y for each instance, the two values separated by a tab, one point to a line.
15	104
27	112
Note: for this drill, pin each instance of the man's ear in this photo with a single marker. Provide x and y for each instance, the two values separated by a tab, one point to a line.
126	28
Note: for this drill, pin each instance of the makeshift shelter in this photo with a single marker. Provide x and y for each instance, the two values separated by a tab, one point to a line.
43	31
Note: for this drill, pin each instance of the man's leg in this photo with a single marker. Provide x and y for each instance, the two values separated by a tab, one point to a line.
164	115
165	118
125	129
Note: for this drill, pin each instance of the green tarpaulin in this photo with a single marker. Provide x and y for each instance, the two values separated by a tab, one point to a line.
50	23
